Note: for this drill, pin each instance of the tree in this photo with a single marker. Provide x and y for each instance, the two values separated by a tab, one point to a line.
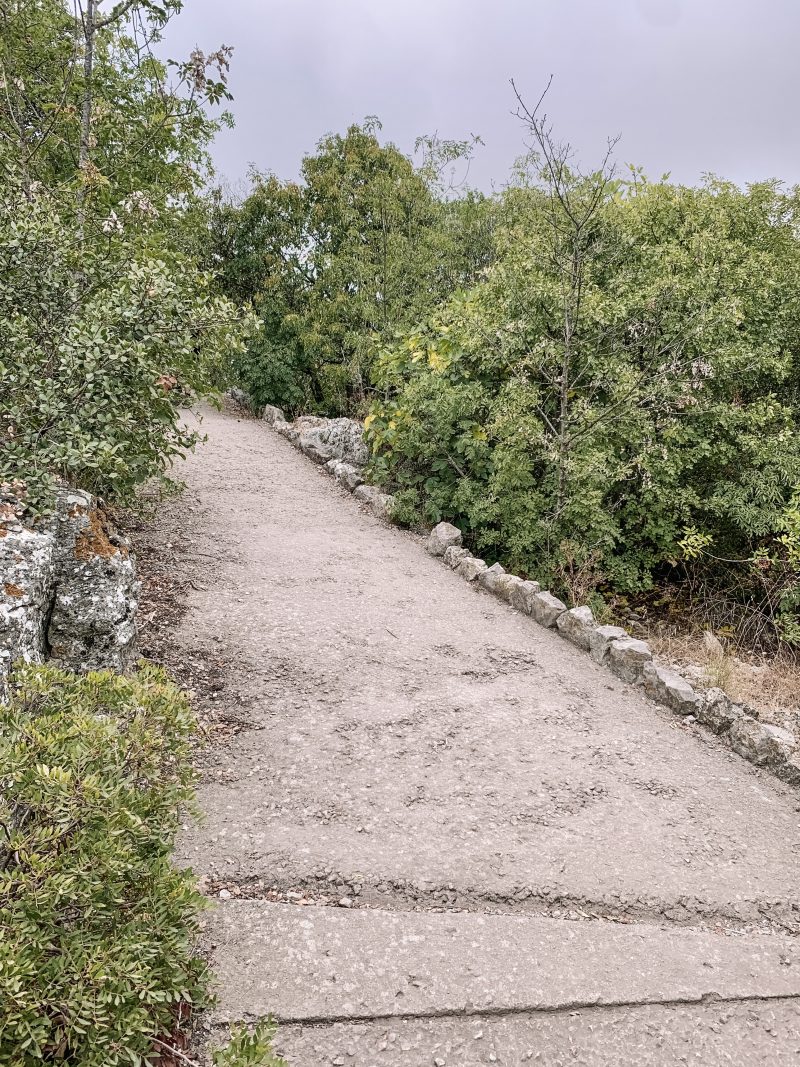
362	247
108	326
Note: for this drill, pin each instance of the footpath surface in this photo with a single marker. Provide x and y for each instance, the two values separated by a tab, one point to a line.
439	834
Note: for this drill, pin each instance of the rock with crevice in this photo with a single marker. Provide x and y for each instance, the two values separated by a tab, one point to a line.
760	742
68	589
470	568
92	622
348	475
600	640
454	555
27	582
504	586
717	711
670	689
316	450
521	595
489	578
342	438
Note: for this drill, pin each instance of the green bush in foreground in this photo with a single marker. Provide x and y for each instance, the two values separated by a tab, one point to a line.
97	928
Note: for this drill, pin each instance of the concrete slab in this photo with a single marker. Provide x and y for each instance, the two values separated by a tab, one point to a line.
312	964
745	1034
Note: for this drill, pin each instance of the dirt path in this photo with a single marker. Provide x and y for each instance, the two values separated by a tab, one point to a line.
443	835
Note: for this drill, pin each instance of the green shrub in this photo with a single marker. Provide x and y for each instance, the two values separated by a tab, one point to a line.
653	435
102	339
96	927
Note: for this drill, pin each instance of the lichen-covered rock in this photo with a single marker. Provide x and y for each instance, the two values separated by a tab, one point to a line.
577	625
670	689
314	448
344	438
600	641
380	504
627	657
489	578
717	711
272	415
454	555
303	423
27	582
348	475
546	608
470	568
442	536
93	615
505	585
760	742
521	595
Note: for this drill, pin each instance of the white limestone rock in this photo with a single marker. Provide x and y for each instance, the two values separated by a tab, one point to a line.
627	658
443	536
577	625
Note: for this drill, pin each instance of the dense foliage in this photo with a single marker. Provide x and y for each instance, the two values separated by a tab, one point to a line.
655	435
598	379
363	246
108	322
96	926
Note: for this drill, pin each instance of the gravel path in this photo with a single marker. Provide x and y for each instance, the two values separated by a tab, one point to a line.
429	819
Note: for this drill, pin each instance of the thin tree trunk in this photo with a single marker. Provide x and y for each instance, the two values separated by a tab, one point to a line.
88	71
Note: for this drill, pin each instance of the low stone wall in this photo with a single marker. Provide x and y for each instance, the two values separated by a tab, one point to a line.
68	588
338	444
630	659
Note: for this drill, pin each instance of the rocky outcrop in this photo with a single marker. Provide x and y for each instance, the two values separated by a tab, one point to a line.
93	615
68	588
27	579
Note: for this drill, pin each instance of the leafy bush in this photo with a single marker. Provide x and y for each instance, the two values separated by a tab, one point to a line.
366	244
102	340
108	324
96	926
634	426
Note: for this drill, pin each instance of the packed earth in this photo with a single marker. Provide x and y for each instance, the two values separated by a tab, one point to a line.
435	832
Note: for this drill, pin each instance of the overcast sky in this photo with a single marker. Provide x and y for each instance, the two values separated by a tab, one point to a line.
691	85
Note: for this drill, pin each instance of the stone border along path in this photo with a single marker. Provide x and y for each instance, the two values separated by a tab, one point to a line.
445	836
763	744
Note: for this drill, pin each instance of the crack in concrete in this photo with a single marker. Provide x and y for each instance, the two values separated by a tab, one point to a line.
520	1009
405	896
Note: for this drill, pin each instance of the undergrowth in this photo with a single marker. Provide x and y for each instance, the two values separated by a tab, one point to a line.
97	928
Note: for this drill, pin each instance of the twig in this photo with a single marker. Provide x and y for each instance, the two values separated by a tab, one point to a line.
176	1052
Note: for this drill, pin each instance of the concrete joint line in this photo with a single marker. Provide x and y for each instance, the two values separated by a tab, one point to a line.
522	1009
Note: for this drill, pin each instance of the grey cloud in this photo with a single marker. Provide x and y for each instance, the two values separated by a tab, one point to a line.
691	85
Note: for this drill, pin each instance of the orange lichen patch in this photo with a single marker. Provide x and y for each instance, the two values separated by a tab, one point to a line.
95	539
13	590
